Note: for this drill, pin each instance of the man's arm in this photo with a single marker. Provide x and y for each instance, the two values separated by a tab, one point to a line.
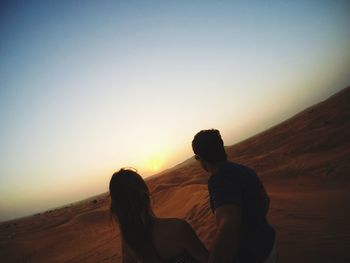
225	248
192	244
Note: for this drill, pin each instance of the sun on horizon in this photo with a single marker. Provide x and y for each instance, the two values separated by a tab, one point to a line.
155	163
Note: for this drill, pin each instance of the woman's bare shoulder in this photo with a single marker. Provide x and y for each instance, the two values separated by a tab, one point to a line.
176	222
173	225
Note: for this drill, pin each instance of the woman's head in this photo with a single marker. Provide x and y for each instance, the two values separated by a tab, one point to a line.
129	193
130	204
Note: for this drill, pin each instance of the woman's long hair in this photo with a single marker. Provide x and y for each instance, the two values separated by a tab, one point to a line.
130	204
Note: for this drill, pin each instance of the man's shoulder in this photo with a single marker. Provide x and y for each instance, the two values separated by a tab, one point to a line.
230	172
226	173
225	186
233	168
240	168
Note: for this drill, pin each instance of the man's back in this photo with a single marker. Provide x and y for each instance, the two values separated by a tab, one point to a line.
236	184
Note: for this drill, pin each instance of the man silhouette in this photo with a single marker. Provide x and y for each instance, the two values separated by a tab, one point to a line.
239	202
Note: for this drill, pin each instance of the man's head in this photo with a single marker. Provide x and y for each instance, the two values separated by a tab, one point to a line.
208	146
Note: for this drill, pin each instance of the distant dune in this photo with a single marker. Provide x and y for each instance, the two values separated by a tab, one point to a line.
304	163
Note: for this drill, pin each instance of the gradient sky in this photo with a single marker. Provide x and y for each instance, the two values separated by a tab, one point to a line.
87	87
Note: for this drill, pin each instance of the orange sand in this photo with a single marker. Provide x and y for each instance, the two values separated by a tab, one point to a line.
304	163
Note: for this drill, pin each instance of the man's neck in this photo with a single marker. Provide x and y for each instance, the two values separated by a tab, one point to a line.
213	168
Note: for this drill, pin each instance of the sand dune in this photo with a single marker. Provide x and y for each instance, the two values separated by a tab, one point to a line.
304	163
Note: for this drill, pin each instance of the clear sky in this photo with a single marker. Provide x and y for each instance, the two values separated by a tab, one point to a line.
87	87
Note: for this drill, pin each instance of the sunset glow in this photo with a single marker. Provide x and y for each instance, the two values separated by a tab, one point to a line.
155	163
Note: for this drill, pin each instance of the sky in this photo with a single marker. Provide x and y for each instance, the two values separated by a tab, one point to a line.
88	87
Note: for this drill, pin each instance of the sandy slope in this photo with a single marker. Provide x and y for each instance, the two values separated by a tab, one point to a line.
304	163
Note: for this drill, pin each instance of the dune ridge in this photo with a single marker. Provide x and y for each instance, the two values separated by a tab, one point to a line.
304	163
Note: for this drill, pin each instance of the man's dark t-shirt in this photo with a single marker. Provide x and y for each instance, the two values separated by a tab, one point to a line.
237	184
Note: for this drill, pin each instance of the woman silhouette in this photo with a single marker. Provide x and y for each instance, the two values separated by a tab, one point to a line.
146	237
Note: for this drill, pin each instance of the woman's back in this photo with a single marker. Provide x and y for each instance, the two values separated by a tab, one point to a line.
175	241
145	236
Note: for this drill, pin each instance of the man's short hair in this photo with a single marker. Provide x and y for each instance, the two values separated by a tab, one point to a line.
209	145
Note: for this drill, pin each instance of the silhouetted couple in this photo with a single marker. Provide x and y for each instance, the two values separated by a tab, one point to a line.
237	198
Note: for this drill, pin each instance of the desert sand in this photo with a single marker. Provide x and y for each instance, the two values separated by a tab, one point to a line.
304	163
